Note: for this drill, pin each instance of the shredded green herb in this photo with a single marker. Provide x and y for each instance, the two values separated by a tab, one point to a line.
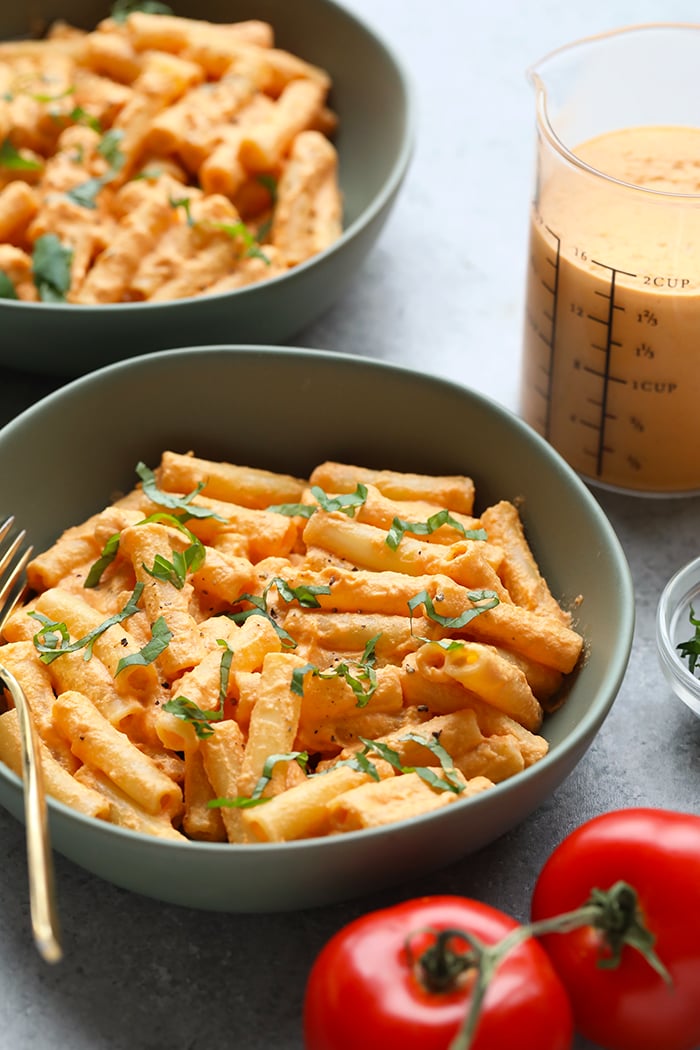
53	640
346	502
690	649
7	288
489	599
360	675
121	9
171	501
188	711
161	636
11	158
399	528
256	796
51	263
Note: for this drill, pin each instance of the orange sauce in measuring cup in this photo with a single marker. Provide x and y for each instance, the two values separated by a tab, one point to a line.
611	369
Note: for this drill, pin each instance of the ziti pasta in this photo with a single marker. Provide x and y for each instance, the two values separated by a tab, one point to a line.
225	653
158	158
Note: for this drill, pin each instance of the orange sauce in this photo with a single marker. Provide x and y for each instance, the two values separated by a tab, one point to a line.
611	368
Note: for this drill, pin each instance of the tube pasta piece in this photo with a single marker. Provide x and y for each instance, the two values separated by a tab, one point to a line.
19	204
222	756
150	32
74	547
308	213
124	810
224	578
17	266
22	660
454	492
347	632
327	701
273	724
113	55
143	544
111	646
200	821
302	811
58	781
264	145
401	798
466	562
379	510
481	670
72	671
97	743
545	682
520	571
250	487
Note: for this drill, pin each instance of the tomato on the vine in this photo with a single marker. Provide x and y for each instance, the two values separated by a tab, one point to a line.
630	1005
402	978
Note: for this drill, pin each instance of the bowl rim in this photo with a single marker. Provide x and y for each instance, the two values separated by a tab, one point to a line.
367	216
576	739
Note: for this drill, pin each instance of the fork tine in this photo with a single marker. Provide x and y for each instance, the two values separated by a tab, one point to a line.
42	905
6	526
8	602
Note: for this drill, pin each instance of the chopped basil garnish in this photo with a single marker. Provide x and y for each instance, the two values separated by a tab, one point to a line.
362	678
109	553
121	9
185	204
175	571
346	502
489	599
56	636
238	230
425	528
172	502
690	650
256	797
188	711
109	148
7	288
11	158
80	116
450	782
51	263
160	640
85	194
305	595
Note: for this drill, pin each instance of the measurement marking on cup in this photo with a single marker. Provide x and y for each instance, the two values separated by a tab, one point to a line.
553	290
607	349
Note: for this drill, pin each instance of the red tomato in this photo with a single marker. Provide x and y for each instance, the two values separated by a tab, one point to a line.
630	1007
364	990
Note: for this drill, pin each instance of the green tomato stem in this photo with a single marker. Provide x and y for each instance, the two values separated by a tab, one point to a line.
613	912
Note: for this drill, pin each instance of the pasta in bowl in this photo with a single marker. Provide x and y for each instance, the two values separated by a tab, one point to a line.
163	173
312	655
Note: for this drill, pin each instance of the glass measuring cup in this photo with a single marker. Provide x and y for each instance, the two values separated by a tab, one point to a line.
611	360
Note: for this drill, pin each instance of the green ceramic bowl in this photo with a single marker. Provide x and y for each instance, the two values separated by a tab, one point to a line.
288	410
374	141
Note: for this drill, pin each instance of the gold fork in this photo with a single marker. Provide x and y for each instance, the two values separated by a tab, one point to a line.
42	898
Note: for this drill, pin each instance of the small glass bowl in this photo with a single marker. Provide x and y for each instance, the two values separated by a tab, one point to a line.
673	626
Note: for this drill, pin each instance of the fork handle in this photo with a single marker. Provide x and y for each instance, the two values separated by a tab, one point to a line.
42	895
